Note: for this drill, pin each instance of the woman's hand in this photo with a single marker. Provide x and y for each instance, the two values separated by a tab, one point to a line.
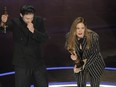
76	70
73	56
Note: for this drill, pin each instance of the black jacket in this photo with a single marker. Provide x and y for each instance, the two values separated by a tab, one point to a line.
27	45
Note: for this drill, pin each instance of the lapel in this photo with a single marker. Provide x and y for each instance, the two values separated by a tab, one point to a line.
77	47
84	43
83	46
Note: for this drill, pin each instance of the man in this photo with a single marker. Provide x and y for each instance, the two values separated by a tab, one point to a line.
28	34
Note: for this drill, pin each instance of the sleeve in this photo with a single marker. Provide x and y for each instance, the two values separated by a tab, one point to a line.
94	50
40	33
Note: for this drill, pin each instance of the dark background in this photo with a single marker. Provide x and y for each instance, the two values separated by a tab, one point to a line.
100	16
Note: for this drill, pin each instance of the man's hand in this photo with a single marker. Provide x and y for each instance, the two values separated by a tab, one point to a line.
30	27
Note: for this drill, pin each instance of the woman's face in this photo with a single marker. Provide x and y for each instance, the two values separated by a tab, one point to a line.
80	30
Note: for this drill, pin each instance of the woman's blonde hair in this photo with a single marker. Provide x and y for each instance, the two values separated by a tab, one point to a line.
71	35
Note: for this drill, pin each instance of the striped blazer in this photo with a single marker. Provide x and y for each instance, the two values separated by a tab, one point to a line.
95	63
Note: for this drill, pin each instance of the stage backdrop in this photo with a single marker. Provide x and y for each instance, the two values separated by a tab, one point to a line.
58	16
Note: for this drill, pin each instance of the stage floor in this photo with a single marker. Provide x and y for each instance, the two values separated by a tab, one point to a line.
63	77
66	77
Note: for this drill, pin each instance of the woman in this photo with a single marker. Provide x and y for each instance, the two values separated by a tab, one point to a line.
83	45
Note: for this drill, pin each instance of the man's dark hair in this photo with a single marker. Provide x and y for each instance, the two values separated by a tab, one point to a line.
27	9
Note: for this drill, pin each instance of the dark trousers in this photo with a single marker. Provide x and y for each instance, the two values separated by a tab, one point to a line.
81	79
24	77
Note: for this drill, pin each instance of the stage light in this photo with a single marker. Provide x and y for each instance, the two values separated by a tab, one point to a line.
73	84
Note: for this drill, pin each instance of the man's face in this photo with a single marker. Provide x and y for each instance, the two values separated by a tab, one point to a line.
27	18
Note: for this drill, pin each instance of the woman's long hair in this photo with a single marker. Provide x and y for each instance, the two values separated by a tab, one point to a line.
71	35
